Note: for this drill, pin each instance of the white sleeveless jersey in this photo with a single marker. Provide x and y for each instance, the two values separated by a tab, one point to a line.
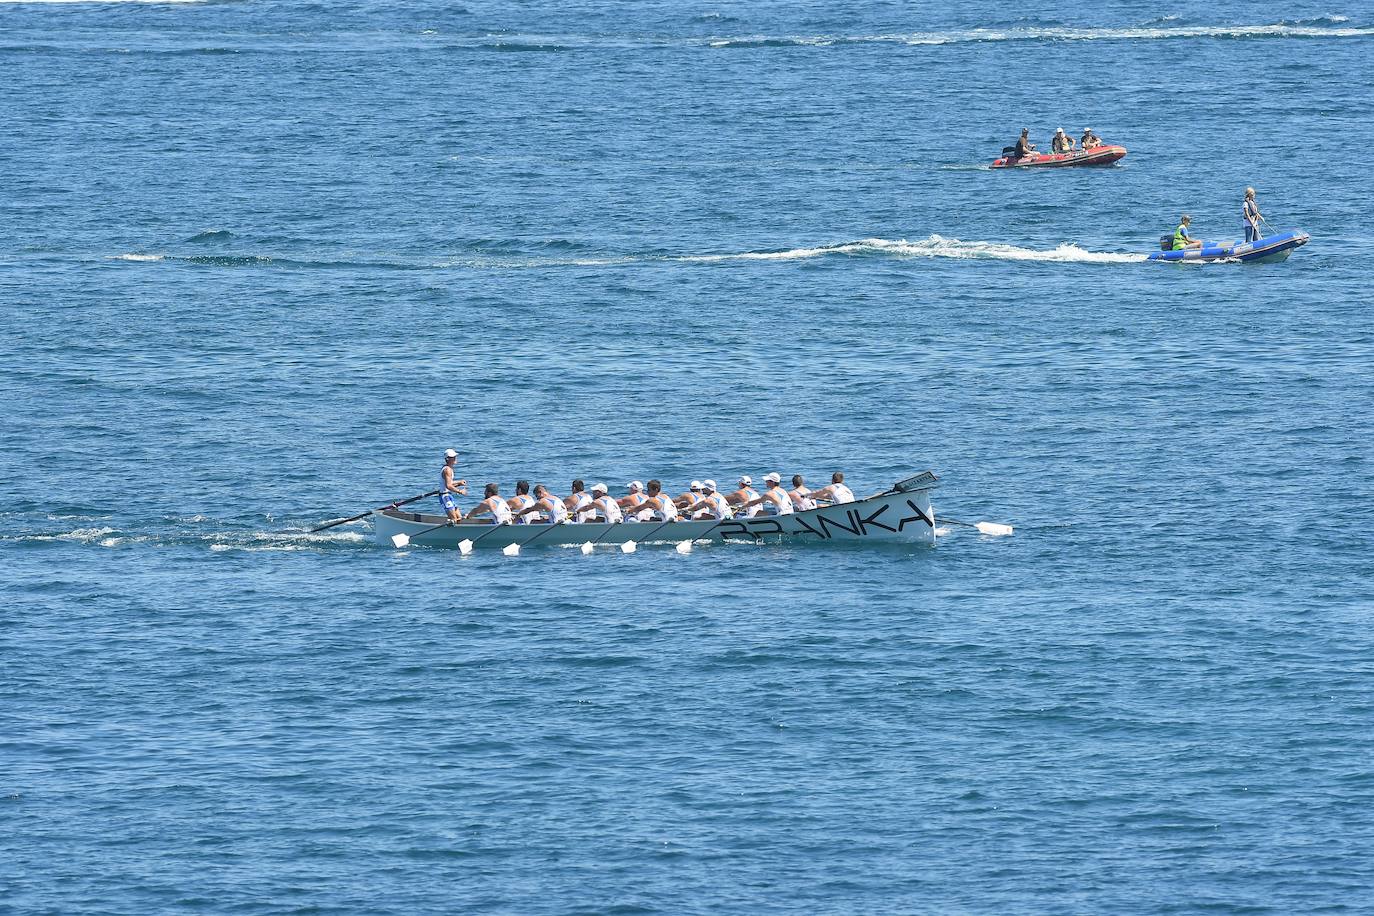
782	506
841	494
608	508
801	499
500	511
664	509
523	501
559	513
717	508
749	496
582	504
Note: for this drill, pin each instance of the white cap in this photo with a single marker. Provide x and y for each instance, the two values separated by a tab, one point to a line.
709	485
774	477
634	485
1060	130
746	480
450	454
694	485
598	488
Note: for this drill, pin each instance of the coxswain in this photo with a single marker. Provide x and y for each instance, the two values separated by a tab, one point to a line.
774	500
494	505
521	501
1182	239
711	504
448	487
607	509
835	494
801	494
745	494
692	495
1250	211
656	506
578	502
1023	145
545	503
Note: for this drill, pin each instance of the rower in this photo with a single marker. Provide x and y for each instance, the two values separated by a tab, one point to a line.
448	487
837	493
1182	239
692	495
655	507
774	500
1250	211
493	505
635	495
801	494
521	501
544	502
745	494
1062	142
578	501
711	504
608	509
1023	145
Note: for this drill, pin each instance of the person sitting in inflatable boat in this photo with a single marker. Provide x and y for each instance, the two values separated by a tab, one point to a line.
1089	140
1182	239
1062	142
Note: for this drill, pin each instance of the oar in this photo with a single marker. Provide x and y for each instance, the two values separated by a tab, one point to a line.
402	539
685	547
588	546
989	528
465	546
399	502
629	546
513	550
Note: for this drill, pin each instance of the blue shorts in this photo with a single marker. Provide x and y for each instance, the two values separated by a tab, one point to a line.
446	500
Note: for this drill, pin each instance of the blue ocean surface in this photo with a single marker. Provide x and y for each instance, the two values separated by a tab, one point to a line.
261	262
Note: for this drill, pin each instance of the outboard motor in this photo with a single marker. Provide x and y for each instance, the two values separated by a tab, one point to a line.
1008	152
1166	243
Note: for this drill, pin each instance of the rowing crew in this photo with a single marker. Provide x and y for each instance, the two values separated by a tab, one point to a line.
701	500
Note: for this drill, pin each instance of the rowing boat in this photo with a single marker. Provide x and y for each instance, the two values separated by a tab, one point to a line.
902	514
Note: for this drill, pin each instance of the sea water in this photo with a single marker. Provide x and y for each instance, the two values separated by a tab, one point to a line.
262	262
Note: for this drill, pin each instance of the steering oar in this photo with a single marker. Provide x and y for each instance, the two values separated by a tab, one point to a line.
399	502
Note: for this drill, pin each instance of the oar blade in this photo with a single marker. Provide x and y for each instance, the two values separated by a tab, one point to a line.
993	529
400	540
511	550
587	548
627	547
684	547
465	546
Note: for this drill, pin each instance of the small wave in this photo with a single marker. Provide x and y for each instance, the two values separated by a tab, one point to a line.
933	246
211	235
133	257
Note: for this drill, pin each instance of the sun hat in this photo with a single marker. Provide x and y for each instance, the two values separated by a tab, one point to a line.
450	454
634	485
694	485
598	488
709	485
746	480
774	477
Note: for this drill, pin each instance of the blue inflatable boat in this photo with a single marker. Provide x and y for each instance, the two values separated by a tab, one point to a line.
1276	247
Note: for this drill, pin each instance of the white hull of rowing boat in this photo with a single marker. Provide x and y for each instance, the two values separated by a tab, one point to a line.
903	516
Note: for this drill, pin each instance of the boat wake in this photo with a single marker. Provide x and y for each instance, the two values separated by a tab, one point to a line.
1320	28
932	246
109	536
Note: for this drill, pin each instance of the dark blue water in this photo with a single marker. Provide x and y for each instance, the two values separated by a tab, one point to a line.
260	263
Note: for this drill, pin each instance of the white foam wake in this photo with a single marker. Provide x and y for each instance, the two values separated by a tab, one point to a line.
933	246
1130	33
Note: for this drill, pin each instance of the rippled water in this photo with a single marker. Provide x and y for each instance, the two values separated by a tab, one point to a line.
262	262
